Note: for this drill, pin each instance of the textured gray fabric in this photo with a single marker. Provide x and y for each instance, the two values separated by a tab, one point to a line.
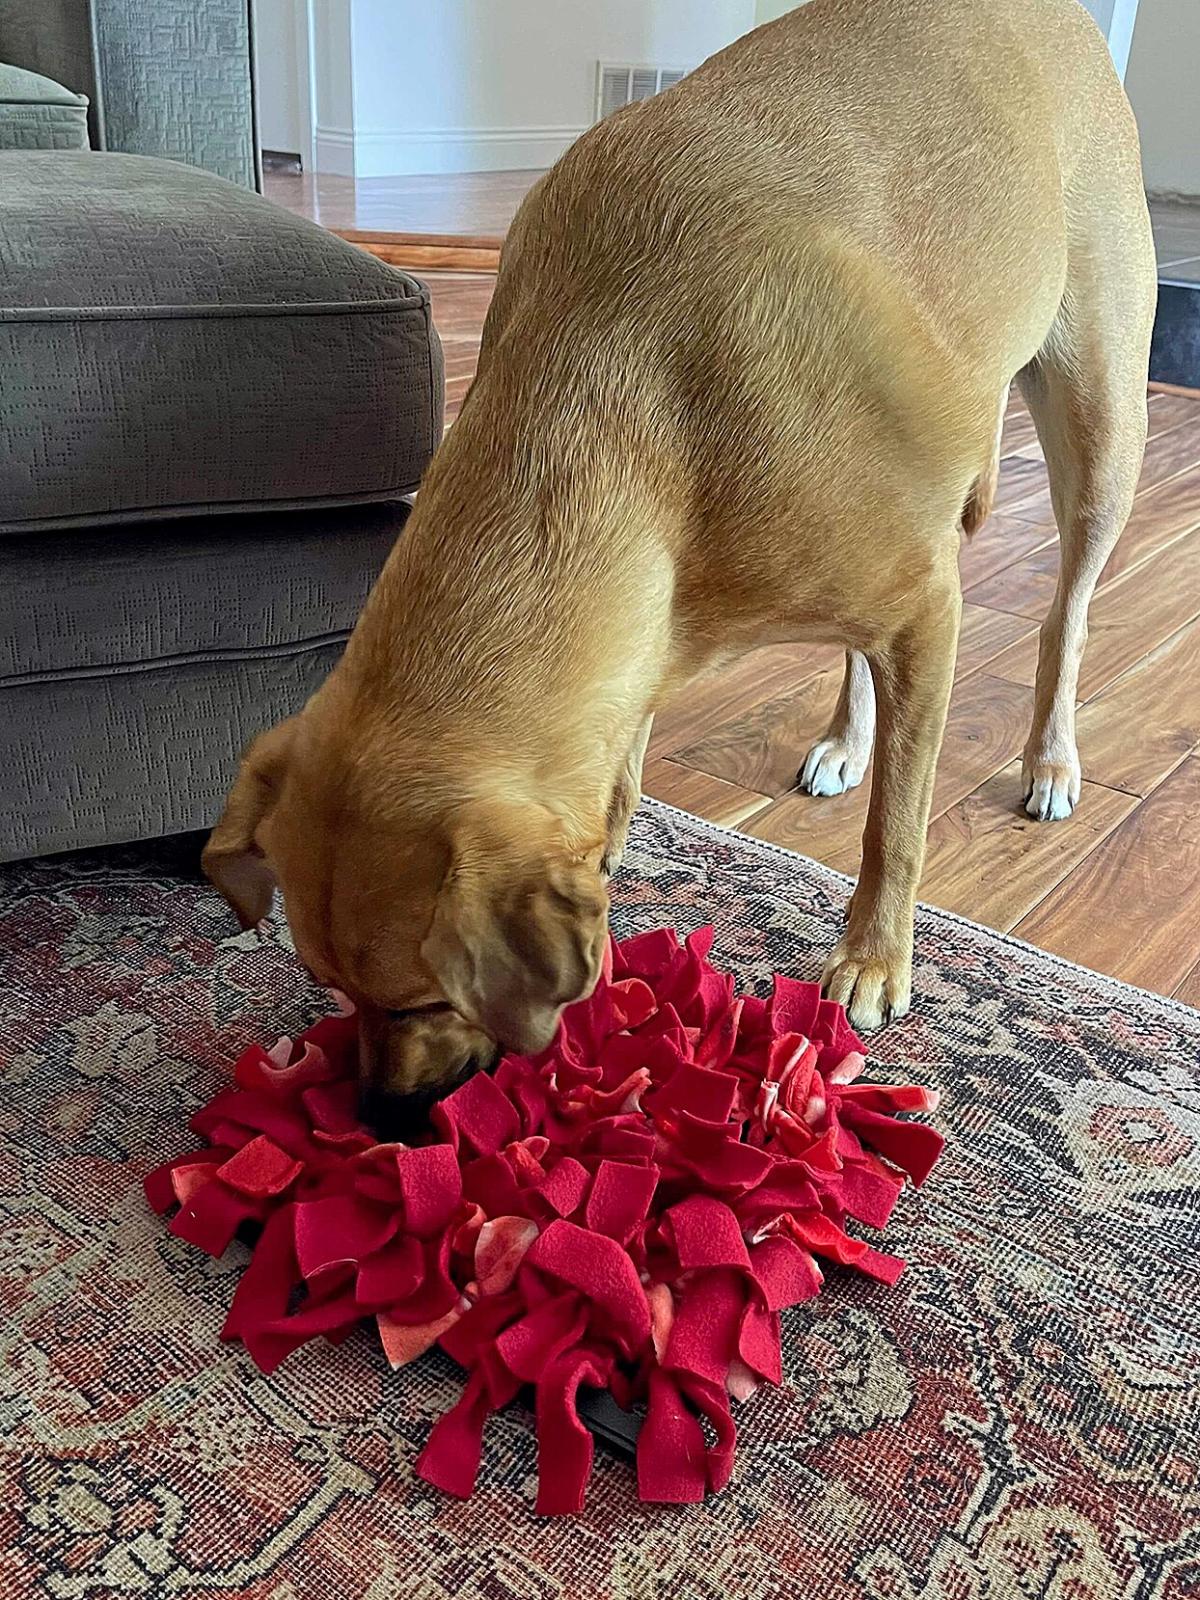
137	666
55	37
171	343
38	114
177	82
139	754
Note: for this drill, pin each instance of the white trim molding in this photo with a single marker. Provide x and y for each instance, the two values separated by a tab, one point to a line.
395	152
333	151
1120	32
1115	19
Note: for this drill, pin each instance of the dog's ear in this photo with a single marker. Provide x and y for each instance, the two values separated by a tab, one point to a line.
512	948
233	861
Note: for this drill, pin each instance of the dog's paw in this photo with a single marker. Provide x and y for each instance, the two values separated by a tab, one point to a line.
875	990
1051	788
831	767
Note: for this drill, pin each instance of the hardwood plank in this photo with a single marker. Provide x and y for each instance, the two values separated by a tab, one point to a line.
467	203
984	634
1023	481
460	241
1172	449
419	254
702	795
1024	487
734	690
1000	543
456	393
1131	617
460	303
1189	990
1018	431
1165	407
989	861
1168	453
1016	402
1157	520
1130	909
985	729
1026	588
1132	734
1176	391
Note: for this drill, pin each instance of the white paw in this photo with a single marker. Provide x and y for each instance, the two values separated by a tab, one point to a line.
1051	788
610	861
873	990
831	767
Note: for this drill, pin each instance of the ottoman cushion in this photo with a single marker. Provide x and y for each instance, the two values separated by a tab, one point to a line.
173	344
38	114
135	666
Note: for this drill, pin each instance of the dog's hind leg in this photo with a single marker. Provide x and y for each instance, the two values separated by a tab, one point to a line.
1086	389
839	758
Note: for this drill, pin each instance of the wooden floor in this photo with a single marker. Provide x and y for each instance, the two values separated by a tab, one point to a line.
1118	886
465	203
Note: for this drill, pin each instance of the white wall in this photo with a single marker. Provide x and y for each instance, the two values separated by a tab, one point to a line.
277	75
768	10
488	85
1163	80
333	85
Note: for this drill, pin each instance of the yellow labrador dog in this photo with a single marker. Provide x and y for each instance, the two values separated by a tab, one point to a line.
741	382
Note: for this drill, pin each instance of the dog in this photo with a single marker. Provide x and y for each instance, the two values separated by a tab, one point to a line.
742	381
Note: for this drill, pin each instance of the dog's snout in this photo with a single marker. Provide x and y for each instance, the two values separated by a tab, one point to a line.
408	1062
396	1118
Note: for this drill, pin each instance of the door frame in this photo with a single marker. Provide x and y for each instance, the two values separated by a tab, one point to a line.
303	24
1120	32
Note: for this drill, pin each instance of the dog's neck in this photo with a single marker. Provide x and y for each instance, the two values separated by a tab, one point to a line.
521	636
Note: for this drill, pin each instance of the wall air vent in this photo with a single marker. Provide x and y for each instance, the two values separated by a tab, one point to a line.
618	85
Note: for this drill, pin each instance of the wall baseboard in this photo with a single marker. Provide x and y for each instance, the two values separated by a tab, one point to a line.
333	151
1178	196
398	152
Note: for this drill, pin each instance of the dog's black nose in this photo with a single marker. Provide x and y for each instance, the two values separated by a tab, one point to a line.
396	1118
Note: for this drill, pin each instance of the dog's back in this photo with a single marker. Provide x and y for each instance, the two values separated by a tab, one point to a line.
938	137
809	271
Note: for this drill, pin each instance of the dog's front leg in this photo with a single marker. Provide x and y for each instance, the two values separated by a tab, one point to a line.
627	792
870	971
839	758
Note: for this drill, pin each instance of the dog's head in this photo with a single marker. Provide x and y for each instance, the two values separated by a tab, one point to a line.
457	926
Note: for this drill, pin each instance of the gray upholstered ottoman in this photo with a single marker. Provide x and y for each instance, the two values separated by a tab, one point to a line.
210	412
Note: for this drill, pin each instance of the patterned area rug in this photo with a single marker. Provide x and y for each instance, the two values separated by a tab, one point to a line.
1018	1418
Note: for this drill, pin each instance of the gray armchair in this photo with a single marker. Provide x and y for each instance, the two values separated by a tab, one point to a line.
167	78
